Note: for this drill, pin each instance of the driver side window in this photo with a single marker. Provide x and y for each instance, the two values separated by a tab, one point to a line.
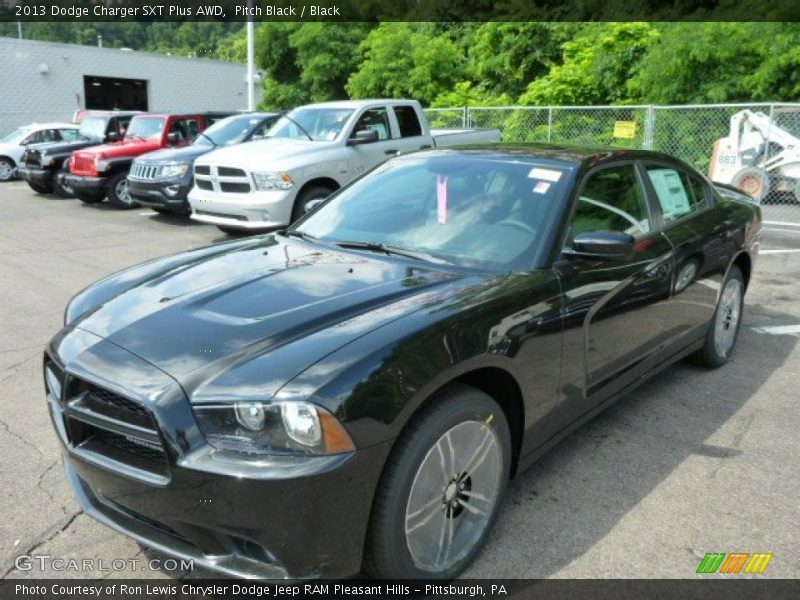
612	199
374	119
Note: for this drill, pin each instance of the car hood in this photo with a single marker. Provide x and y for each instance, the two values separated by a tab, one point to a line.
64	147
186	154
294	301
126	147
261	153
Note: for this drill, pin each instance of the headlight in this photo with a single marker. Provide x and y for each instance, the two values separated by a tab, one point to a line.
266	181
286	428
168	171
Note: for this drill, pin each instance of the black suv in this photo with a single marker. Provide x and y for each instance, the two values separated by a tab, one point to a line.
44	165
162	179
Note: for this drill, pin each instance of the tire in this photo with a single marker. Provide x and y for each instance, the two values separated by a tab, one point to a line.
163	211
61	190
7	169
234	231
90	197
724	327
118	194
308	199
413	500
40	188
753	181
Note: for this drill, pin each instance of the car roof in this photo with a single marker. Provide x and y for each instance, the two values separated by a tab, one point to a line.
569	153
357	103
37	126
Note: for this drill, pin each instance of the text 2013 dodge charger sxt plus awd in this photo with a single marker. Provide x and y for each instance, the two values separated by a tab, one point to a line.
355	392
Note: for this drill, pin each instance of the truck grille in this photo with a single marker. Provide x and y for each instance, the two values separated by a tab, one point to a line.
227	180
105	427
144	171
32	158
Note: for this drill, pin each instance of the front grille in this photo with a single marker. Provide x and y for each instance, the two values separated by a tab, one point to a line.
126	443
202	170
234	188
230	172
221	215
106	427
204	185
82	164
144	171
32	158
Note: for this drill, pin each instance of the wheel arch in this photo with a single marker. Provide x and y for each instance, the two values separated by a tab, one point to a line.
327	182
8	158
745	264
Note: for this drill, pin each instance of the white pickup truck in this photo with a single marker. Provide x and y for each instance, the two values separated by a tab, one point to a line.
309	153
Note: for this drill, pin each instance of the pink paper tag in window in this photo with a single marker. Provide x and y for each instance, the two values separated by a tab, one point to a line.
441	198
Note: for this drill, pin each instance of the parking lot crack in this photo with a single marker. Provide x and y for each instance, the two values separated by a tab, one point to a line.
20	438
49	535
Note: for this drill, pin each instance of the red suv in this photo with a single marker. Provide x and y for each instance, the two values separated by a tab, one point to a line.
102	170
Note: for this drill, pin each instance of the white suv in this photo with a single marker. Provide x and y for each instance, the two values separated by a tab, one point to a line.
13	145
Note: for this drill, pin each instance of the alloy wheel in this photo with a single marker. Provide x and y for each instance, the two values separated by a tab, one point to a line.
729	312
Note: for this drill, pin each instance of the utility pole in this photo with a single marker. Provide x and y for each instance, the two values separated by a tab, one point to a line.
251	59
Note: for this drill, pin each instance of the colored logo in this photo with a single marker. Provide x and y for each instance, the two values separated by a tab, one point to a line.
734	562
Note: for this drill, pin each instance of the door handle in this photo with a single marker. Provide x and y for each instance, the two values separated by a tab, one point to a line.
392	152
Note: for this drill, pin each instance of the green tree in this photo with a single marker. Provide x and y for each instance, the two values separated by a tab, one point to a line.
406	59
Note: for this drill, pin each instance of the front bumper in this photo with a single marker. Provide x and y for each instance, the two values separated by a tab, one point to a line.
85	183
253	210
297	518
35	176
161	194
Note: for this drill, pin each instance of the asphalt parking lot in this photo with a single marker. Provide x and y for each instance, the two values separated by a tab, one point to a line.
696	461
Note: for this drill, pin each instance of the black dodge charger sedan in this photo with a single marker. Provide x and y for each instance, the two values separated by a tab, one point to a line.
353	394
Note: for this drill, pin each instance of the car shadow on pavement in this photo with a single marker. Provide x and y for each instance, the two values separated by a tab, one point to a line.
571	500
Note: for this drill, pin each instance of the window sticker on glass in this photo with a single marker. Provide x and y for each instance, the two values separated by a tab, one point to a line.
670	191
441	199
546	174
541	187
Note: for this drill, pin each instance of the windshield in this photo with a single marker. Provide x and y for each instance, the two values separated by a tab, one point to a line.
469	211
93	127
227	131
15	136
321	124
146	127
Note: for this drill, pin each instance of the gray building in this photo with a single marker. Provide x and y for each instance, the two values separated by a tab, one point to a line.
44	81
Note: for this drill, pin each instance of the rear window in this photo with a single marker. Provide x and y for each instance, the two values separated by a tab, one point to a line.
408	121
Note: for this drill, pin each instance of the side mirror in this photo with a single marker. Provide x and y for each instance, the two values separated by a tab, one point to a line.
173	138
112	136
365	136
603	245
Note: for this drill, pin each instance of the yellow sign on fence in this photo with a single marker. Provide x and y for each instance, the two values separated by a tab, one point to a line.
624	129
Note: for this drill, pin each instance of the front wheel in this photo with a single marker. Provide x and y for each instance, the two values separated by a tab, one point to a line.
118	193
59	188
308	199
724	328
40	188
7	169
441	489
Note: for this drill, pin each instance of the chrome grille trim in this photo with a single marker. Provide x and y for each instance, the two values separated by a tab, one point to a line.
144	172
226	180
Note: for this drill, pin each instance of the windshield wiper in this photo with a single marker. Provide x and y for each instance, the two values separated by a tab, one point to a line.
298	234
300	127
390	250
208	138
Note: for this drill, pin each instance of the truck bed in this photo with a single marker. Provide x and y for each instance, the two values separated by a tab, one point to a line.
451	137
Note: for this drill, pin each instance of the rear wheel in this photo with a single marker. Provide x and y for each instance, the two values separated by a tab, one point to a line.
6	169
441	489
308	199
753	181
724	328
118	193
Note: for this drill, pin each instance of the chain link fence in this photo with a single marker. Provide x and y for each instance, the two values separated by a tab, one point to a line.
753	146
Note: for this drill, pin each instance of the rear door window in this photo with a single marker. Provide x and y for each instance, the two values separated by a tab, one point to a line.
407	121
678	193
